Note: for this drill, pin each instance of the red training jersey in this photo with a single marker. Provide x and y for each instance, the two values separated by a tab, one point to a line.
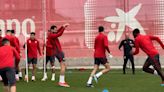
13	42
145	43
100	46
53	37
49	48
33	48
17	42
7	54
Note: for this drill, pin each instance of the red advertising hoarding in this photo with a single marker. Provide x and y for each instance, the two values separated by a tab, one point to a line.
84	16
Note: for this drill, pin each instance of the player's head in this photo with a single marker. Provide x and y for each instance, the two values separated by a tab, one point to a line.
5	41
101	29
126	35
136	32
8	32
53	29
32	35
13	31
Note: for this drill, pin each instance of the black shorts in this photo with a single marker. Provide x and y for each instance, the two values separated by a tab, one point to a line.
60	56
8	76
154	61
32	60
99	61
50	59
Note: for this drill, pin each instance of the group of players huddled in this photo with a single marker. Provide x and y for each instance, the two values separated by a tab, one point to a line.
10	55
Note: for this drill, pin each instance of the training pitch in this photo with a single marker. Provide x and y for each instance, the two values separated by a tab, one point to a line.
114	81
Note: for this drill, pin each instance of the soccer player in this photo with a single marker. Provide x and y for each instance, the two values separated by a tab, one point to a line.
18	71
32	51
100	48
127	44
49	58
7	65
145	43
57	50
13	43
12	40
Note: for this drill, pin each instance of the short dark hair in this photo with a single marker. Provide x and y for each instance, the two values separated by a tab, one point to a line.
12	31
32	33
8	30
101	28
136	31
4	41
53	27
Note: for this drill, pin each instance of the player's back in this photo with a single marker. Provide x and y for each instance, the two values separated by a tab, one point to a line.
146	44
99	45
6	56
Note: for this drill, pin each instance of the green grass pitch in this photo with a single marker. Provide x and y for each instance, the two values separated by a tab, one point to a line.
114	81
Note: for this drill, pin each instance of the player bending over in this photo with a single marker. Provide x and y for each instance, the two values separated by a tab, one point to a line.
7	70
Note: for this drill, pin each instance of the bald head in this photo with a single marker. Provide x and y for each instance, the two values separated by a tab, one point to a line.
126	35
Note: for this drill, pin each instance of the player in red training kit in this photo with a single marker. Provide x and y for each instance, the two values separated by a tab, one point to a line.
32	51
49	58
145	43
7	70
12	40
18	71
57	50
100	47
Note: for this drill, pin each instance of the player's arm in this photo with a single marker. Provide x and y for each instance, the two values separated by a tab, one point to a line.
121	44
60	32
158	40
16	55
16	45
25	44
136	48
106	44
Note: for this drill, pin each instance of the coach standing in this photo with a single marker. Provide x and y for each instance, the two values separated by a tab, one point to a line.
7	54
127	44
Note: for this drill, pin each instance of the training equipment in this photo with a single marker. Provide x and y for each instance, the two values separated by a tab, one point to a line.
26	76
44	61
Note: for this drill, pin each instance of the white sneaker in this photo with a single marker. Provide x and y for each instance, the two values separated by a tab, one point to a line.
53	79
20	74
33	78
44	78
25	78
